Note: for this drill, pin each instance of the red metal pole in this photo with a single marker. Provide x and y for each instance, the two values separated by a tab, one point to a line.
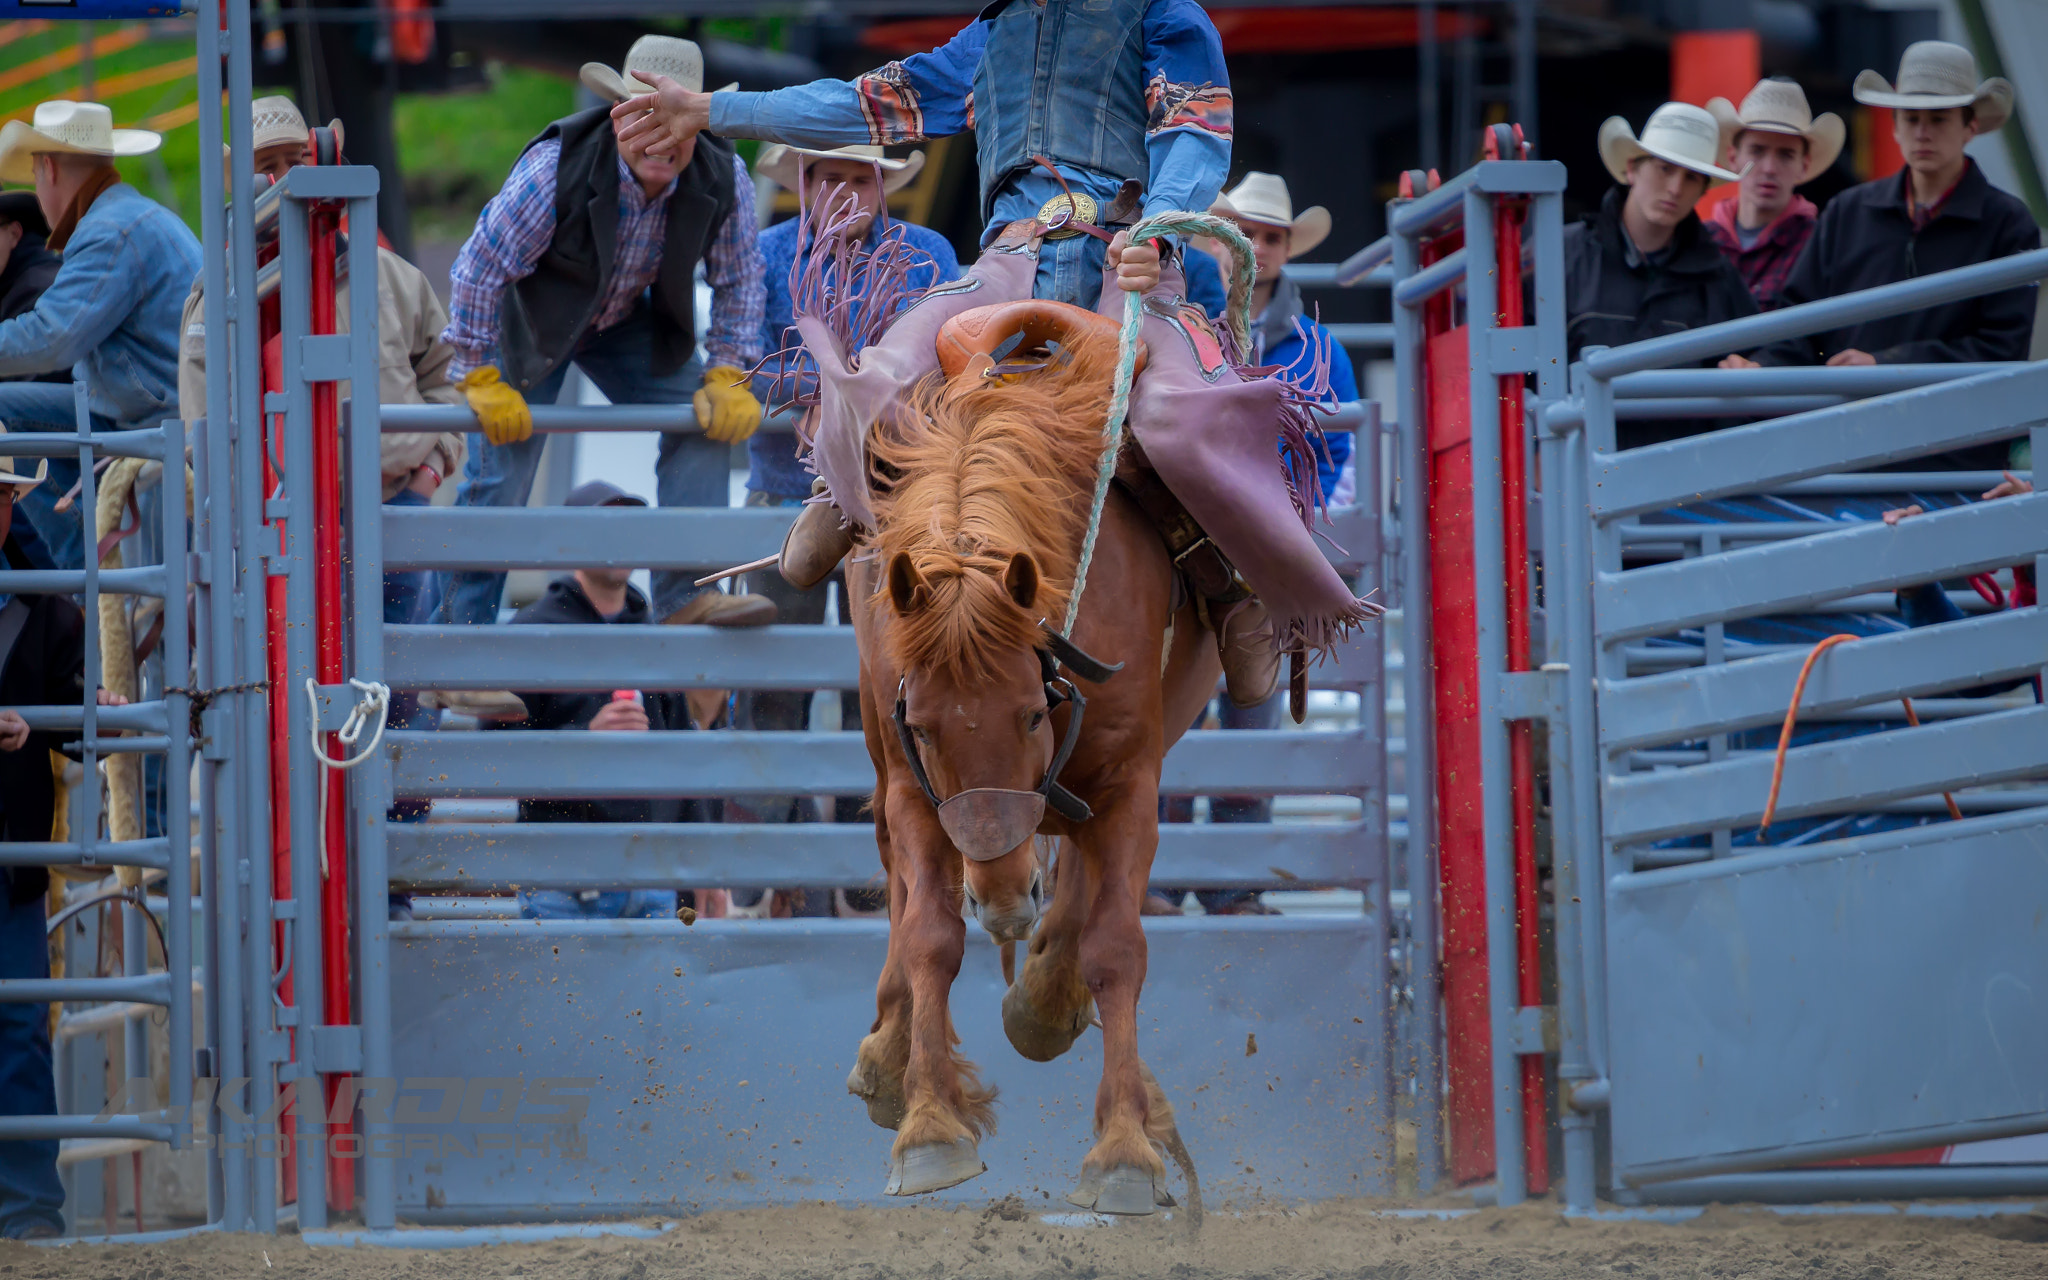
1507	239
280	717
325	224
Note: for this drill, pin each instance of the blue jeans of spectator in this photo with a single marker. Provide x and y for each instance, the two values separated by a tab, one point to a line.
48	406
1226	808
30	1193
692	471
408	598
597	904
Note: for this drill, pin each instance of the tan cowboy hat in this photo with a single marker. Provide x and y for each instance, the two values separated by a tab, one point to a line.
68	128
1677	132
277	121
19	483
678	59
782	164
1262	198
1778	105
1935	74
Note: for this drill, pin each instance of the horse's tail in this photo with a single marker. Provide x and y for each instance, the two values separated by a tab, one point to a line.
1161	1128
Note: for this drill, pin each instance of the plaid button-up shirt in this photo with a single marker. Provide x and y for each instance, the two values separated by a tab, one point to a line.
1768	260
516	226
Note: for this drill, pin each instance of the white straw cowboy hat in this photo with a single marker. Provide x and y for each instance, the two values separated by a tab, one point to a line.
1677	132
678	59
1935	74
277	121
781	164
1263	198
1778	105
68	128
19	483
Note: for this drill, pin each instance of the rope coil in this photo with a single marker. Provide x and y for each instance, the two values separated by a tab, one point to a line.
373	706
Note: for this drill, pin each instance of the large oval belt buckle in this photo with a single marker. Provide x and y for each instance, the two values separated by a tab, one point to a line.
1058	213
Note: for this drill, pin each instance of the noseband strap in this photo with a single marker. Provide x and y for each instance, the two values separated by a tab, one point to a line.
1058	689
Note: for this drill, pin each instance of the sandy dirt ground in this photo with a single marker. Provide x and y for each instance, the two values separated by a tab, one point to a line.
1011	1239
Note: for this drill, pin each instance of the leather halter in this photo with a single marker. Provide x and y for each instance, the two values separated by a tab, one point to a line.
974	336
985	823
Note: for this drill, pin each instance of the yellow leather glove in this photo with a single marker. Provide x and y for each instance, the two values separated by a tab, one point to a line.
726	409
499	408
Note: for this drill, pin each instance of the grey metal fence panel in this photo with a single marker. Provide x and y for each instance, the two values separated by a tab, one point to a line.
1810	1004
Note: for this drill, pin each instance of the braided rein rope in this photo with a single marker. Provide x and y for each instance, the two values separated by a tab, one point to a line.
1237	315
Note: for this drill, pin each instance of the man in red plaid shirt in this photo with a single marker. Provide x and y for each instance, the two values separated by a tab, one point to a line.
1775	142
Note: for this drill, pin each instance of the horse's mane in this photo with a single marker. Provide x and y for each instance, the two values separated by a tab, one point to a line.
977	469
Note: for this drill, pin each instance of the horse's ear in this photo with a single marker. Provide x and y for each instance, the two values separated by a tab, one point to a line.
907	589
1021	579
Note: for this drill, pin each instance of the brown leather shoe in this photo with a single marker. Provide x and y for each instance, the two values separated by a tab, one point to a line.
1251	659
815	543
714	608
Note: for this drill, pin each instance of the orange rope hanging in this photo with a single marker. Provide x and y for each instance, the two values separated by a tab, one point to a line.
1792	718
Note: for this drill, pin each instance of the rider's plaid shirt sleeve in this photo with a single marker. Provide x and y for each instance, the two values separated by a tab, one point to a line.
927	95
739	291
511	235
1188	107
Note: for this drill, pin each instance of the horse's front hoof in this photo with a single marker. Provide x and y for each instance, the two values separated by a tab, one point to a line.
1126	1190
883	1094
1035	1036
933	1168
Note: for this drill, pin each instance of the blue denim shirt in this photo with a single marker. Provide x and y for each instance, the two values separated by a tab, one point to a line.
113	313
775	469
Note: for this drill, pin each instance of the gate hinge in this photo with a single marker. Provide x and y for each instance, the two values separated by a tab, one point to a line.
336	1051
1534	1029
1531	695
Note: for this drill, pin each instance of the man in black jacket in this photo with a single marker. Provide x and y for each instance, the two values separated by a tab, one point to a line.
599	597
1642	266
27	266
42	663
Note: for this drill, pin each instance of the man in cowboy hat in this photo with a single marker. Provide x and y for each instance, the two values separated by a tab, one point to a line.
42	663
1641	265
843	191
1777	144
587	255
1083	115
111	312
1939	213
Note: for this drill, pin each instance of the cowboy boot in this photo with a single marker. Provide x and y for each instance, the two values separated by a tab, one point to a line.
815	543
1251	655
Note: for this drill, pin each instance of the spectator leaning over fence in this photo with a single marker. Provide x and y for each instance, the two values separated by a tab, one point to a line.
1937	214
412	368
845	190
1642	266
588	256
111	314
42	663
1777	144
599	597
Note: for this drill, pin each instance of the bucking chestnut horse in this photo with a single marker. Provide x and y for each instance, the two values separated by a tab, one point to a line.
987	729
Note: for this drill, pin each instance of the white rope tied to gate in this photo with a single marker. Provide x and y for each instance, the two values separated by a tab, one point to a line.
1237	315
373	706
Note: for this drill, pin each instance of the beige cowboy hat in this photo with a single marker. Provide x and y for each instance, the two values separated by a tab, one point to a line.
19	483
68	128
276	121
781	164
1935	74
1778	105
1262	198
672	56
1677	132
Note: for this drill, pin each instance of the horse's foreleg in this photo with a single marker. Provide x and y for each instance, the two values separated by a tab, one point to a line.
884	1054
1047	1005
1123	1172
946	1108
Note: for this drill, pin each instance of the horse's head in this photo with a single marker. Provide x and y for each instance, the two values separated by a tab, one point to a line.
981	497
981	733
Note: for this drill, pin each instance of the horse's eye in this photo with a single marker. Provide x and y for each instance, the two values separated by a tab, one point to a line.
1037	718
917	731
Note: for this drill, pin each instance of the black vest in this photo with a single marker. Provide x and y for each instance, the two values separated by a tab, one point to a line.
546	314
